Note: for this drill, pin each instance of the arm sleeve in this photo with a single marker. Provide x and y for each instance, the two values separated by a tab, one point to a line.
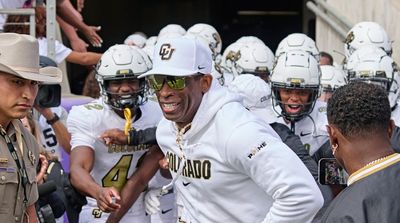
145	136
61	52
277	170
294	143
324	151
62	113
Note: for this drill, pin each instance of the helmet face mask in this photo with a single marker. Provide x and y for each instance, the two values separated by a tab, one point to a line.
384	82
131	99
261	72
296	72
218	74
305	107
121	65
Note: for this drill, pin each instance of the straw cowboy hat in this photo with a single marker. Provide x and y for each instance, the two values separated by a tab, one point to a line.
19	55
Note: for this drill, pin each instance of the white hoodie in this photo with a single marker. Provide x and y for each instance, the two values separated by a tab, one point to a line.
237	169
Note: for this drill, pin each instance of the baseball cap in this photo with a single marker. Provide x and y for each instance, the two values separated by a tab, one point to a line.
256	95
19	55
180	56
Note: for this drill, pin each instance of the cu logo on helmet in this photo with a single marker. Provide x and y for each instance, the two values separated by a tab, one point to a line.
166	51
349	38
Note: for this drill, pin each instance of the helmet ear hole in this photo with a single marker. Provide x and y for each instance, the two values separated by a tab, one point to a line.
122	62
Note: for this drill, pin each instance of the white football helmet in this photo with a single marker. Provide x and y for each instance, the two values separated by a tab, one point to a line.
367	33
249	40
297	41
372	65
171	31
231	53
296	70
209	35
230	56
256	95
332	78
149	46
255	58
135	39
121	62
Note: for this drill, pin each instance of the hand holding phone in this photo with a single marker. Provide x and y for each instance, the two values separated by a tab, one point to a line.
331	173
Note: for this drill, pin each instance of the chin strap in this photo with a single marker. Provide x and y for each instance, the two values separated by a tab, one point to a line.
293	126
128	118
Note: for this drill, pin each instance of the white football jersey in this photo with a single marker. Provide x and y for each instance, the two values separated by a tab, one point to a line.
396	115
47	135
312	128
113	164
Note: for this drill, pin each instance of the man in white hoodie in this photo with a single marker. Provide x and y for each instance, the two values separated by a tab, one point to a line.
227	165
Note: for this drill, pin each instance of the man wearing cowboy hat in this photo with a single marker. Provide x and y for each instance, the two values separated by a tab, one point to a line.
20	75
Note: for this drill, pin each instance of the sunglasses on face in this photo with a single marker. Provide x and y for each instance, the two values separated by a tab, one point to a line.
156	82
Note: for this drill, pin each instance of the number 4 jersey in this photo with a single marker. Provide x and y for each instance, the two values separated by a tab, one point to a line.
113	164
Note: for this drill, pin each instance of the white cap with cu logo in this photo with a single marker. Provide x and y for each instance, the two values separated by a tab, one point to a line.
180	56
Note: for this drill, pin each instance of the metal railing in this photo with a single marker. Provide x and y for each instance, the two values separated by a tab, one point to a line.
51	28
26	11
50	23
331	16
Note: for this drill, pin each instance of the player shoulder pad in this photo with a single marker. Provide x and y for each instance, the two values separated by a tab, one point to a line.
89	113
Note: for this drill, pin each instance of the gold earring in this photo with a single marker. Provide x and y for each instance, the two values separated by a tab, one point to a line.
334	148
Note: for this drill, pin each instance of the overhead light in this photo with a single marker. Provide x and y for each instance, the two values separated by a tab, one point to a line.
267	13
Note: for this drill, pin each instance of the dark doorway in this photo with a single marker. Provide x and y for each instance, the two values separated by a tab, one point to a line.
270	21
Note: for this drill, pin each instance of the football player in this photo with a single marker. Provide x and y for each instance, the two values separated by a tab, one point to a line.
104	172
331	79
295	84
210	36
371	64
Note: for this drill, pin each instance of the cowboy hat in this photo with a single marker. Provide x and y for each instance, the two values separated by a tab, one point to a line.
19	55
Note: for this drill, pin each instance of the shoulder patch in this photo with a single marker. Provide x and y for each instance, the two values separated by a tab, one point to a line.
256	149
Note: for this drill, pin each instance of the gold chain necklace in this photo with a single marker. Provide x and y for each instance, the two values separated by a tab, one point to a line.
376	161
179	135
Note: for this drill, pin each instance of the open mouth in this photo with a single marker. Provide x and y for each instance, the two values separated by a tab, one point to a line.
169	107
293	108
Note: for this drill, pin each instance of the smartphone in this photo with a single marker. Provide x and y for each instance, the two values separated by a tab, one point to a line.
331	173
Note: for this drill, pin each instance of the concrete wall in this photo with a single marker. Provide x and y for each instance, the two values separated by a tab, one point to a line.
384	12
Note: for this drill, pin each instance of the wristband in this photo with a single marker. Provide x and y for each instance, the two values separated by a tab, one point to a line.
53	120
